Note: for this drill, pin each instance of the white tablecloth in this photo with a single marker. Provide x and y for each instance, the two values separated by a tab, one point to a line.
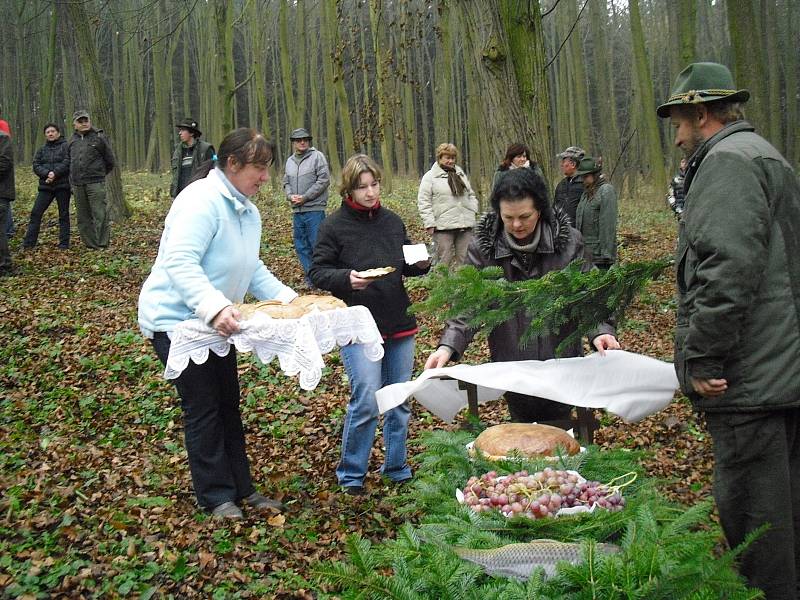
629	385
298	343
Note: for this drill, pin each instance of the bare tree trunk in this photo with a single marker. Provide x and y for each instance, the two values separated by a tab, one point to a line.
100	109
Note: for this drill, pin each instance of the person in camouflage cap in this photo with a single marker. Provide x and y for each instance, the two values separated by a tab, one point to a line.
737	341
570	189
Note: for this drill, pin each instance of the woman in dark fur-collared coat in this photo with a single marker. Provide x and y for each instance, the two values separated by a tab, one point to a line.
527	238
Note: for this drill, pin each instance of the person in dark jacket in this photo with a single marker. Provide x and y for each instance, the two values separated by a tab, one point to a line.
7	195
188	155
570	189
51	164
8	226
737	340
597	213
90	160
362	235
527	238
518	156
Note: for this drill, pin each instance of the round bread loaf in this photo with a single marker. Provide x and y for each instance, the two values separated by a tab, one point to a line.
314	301
271	308
530	440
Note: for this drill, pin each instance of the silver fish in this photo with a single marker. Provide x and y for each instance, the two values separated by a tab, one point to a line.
519	560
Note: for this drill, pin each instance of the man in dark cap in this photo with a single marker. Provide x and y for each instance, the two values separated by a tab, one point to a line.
188	155
737	342
570	189
305	182
90	160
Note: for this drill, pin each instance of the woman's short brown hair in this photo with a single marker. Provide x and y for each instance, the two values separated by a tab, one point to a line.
446	148
352	170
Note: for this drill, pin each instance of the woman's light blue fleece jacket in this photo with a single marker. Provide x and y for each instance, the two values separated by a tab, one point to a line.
208	258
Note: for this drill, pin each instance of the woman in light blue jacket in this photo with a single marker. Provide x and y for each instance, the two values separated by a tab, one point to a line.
207	260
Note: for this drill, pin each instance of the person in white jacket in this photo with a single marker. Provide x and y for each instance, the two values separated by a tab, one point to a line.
207	260
447	205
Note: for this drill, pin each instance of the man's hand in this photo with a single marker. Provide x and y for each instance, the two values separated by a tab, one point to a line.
227	321
605	342
438	358
357	283
296	199
709	388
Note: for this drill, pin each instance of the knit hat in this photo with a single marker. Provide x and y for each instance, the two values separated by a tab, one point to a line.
4	127
703	82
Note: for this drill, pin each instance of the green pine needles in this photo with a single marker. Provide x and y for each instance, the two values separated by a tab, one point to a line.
569	297
666	551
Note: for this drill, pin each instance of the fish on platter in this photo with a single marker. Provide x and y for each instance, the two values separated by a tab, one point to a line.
520	560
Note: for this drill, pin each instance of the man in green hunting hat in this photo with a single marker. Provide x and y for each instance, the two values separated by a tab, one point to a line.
737	342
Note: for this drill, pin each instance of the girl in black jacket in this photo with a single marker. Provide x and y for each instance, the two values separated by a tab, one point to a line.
51	164
362	235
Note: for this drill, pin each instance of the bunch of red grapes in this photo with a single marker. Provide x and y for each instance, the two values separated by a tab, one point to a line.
539	495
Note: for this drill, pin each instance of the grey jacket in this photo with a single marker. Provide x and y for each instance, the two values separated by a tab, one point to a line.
738	274
559	245
307	175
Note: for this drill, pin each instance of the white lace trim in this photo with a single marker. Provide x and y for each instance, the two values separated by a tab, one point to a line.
298	343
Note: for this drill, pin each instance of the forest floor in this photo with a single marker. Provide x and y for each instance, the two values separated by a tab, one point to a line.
96	494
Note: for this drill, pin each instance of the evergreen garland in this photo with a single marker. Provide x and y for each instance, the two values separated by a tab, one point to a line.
569	297
667	551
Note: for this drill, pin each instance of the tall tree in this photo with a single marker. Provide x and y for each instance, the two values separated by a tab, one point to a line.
87	56
648	124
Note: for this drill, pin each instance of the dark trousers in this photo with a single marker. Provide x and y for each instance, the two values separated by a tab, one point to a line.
527	409
757	482
5	254
213	430
43	201
91	206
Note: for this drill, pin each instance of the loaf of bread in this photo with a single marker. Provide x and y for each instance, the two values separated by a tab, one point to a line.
271	308
311	302
529	440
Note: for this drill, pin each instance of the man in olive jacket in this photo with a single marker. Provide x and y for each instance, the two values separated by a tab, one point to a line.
90	160
737	343
188	155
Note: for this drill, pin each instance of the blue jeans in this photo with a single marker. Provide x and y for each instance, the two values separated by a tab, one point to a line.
306	225
367	377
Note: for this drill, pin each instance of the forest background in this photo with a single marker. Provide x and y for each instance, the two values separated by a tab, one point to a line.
394	78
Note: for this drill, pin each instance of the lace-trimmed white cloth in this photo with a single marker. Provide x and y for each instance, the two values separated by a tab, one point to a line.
629	385
298	343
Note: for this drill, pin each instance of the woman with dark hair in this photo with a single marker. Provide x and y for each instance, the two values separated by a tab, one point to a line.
518	156
526	237
207	260
448	206
51	164
596	215
361	235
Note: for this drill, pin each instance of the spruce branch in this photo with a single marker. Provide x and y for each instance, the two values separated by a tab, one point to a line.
569	303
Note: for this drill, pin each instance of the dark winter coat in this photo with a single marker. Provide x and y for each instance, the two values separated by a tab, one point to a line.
559	245
203	151
738	274
357	240
568	194
90	157
53	156
7	188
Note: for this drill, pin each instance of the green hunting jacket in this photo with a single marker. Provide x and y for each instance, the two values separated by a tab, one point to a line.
596	219
738	274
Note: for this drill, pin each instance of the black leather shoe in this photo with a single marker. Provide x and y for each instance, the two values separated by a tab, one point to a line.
227	510
260	501
354	490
